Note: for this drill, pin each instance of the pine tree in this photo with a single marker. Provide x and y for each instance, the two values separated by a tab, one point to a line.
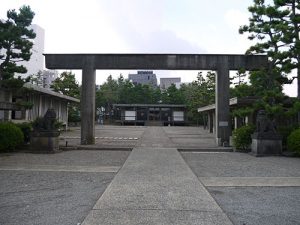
275	29
15	43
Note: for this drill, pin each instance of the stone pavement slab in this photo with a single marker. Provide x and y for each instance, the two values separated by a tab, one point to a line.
54	189
155	186
57	168
66	158
49	198
155	137
128	137
149	217
234	164
259	205
106	137
191	137
250	181
251	190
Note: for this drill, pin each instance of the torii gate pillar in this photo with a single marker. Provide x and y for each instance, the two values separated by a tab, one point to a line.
87	101
223	126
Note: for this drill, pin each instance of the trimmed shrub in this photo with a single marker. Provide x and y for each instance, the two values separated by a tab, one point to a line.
285	131
241	137
293	141
26	129
11	136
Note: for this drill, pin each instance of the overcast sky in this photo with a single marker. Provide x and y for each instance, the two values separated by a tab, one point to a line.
140	26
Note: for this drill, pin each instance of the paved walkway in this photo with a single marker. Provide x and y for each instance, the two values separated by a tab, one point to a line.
128	137
156	186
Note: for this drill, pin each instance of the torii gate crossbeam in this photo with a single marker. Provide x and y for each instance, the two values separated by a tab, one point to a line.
89	63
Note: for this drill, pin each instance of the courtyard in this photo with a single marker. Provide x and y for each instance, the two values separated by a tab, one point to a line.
136	175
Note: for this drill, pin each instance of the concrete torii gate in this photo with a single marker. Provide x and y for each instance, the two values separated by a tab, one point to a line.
89	63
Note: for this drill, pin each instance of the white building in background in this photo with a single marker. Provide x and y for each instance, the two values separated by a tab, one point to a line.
48	77
165	83
36	62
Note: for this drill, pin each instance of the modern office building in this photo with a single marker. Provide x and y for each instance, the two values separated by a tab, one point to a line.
165	83
36	62
144	77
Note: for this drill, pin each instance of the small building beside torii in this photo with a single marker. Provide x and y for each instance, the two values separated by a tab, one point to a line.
41	99
236	122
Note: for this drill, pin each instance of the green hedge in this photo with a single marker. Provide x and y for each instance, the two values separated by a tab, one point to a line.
241	137
26	128
11	136
285	131
293	141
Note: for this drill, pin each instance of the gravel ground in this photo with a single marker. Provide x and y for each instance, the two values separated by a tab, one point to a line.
259	205
251	205
67	158
50	198
234	164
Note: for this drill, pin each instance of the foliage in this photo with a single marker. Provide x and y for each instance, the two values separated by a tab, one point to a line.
241	137
39	124
294	109
242	90
196	94
66	84
124	92
239	78
275	29
199	93
172	96
285	131
15	43
73	113
243	112
293	141
11	136
24	104
37	79
26	128
109	94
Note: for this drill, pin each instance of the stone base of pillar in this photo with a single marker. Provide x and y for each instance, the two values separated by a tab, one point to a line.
266	144
90	141
45	142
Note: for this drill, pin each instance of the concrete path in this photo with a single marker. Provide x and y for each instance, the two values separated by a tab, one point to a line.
155	186
128	137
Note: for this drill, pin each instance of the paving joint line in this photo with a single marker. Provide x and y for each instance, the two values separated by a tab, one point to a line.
144	209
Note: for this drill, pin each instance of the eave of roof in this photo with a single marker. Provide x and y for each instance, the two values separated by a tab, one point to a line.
232	102
51	93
